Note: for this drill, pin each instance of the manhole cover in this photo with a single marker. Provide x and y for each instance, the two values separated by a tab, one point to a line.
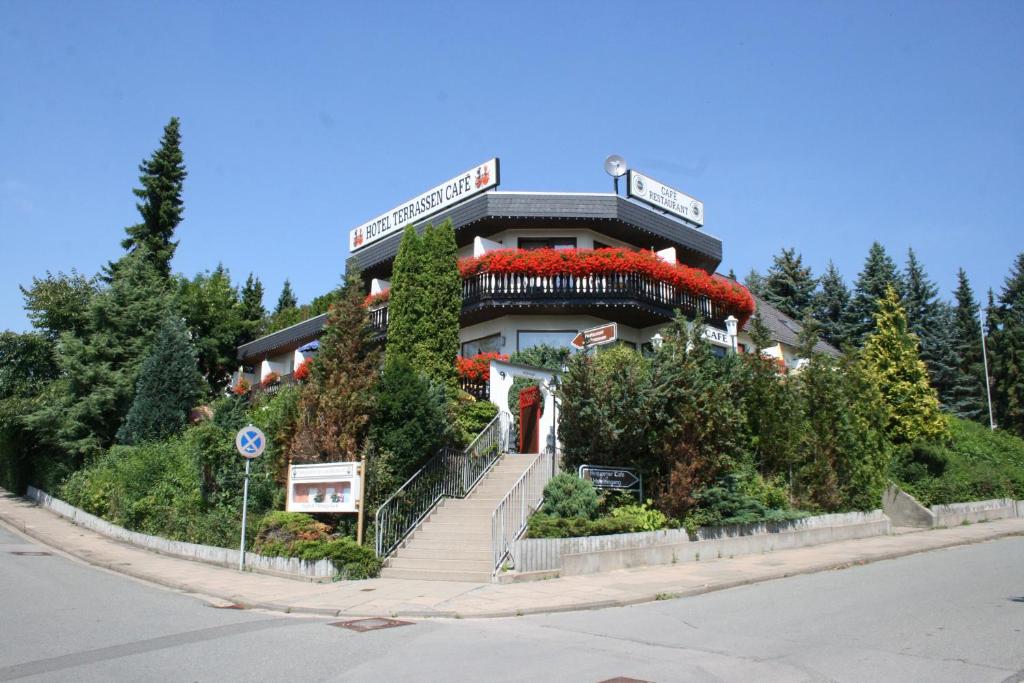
362	625
31	553
366	590
228	606
623	679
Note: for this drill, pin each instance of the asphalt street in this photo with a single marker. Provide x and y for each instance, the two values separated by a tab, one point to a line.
948	615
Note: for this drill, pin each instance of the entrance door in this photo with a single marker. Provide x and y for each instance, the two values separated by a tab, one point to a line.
529	420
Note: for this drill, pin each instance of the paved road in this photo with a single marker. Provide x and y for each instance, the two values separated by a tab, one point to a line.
949	615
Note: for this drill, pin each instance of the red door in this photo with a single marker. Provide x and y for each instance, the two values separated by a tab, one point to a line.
529	420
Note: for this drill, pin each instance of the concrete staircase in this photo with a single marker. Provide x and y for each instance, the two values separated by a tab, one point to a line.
454	543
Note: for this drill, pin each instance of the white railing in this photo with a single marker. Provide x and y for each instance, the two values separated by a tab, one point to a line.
508	521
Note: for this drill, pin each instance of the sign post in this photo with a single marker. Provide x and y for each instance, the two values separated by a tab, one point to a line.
595	336
661	196
250	443
615	478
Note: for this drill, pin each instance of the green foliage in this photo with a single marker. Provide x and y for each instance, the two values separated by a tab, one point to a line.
210	306
569	496
542	525
251	310
100	368
726	503
831	305
410	419
59	303
338	399
27	363
286	299
293	534
878	275
890	356
425	304
169	385
771	406
789	285
967	398
975	464
471	417
640	517
162	177
1006	351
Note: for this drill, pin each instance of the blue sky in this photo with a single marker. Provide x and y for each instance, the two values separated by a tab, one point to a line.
821	126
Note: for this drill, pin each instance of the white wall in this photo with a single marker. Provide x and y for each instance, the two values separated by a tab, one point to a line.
584	238
281	364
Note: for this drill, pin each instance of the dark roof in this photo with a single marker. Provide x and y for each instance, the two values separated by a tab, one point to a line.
494	211
783	328
282	340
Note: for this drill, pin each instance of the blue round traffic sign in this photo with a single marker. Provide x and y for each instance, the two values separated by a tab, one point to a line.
250	442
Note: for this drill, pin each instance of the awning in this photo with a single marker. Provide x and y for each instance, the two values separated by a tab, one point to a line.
310	347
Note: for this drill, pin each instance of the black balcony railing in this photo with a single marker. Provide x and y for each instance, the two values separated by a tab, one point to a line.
517	289
605	288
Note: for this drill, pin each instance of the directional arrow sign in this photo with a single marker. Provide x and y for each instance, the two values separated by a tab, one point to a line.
610	477
602	334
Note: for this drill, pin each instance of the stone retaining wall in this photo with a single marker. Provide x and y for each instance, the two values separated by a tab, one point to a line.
592	554
975	511
289	567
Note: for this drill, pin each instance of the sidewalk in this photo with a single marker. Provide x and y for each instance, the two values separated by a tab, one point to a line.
407	598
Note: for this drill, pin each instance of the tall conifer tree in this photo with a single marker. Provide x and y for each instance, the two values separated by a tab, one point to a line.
790	285
890	355
252	312
831	306
406	305
878	274
287	299
1007	351
162	177
970	400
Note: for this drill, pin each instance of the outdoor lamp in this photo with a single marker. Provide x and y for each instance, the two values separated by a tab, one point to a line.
730	326
657	340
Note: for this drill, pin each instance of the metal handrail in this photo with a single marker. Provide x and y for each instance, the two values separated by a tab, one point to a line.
508	521
451	473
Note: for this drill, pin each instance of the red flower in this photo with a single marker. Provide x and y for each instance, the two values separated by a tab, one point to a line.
241	389
302	372
271	378
378	298
477	368
730	296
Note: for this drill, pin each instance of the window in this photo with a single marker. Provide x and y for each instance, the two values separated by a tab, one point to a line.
718	351
600	245
482	345
547	243
557	338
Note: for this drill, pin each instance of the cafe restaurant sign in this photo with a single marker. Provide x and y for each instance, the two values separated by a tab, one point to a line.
668	199
447	194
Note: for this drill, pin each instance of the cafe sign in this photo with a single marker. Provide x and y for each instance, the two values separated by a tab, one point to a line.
447	194
324	487
670	200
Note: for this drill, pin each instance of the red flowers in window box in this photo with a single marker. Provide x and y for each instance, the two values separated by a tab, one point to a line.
271	378
730	295
302	372
477	368
377	299
241	389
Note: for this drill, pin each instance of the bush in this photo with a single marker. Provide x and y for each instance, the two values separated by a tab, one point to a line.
543	525
471	417
641	517
569	496
294	534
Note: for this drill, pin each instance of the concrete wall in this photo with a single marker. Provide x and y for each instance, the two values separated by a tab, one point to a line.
289	567
593	554
975	511
904	510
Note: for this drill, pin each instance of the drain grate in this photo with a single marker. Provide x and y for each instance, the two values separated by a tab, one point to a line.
31	553
231	606
366	590
374	624
623	679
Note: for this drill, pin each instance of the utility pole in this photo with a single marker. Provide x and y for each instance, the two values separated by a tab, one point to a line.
984	357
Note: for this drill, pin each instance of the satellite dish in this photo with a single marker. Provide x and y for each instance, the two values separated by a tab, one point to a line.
615	166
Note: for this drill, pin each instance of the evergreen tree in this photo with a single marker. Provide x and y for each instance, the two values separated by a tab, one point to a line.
891	357
759	333
406	306
437	342
162	178
919	296
969	399
100	367
338	398
789	285
754	282
212	311
926	318
287	300
879	274
1006	351
168	387
831	306
955	390
252	312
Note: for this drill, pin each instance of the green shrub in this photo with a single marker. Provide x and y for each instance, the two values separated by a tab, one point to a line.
543	525
569	496
294	534
351	560
471	417
641	517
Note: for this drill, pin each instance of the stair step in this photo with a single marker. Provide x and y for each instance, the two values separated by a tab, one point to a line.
446	553
435	564
446	544
436	575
